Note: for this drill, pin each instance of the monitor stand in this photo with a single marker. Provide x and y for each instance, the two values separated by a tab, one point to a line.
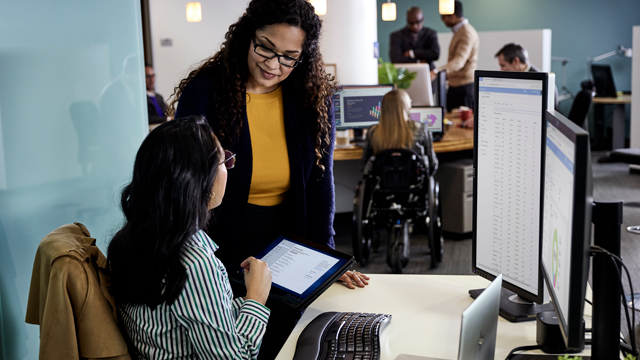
514	308
358	135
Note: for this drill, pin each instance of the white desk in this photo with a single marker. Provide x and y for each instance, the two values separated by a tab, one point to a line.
426	312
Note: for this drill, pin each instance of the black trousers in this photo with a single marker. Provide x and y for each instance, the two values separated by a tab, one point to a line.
460	96
263	225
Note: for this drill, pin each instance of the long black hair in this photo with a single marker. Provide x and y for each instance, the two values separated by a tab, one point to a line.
164	205
310	81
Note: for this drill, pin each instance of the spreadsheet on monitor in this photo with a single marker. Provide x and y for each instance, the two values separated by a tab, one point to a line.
509	153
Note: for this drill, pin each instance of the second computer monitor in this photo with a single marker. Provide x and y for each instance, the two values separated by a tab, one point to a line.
567	223
358	106
508	160
420	89
603	80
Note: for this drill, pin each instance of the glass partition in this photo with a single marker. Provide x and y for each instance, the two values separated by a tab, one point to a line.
72	115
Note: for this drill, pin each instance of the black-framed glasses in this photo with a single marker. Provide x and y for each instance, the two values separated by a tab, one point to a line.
417	22
229	159
267	53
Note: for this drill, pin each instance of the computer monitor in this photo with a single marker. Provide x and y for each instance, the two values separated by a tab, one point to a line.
358	106
439	86
603	81
566	229
509	138
420	90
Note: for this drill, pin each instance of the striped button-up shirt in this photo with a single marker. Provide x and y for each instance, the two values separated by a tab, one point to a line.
205	322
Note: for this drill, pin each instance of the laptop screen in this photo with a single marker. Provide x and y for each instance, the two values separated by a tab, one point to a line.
432	117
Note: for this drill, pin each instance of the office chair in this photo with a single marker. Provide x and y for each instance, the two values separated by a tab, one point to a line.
580	107
396	193
68	298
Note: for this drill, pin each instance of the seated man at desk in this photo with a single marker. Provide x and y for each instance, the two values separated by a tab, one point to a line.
514	57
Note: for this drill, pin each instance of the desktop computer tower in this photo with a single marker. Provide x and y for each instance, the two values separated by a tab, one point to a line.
456	196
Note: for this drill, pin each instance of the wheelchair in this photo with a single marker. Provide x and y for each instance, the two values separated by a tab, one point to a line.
396	193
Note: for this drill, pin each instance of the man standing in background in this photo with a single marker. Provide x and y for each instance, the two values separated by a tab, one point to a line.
155	103
414	43
462	60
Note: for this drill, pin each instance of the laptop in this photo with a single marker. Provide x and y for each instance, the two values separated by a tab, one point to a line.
430	116
479	327
301	270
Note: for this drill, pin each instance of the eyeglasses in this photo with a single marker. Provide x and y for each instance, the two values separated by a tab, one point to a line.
267	53
229	159
418	22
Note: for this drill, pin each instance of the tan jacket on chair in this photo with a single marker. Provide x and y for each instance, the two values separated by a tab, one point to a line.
68	298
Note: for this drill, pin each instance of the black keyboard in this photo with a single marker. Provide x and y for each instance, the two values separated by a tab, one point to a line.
335	335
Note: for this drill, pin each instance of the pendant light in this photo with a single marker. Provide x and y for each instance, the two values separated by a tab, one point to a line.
194	12
388	11
320	6
446	7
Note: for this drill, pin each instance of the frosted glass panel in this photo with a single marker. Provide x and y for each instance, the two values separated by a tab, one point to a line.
72	115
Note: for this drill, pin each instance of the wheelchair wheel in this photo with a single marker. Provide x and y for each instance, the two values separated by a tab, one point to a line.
439	245
434	224
360	234
375	240
398	252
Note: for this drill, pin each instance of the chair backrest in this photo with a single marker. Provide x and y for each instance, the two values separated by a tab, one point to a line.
399	169
580	107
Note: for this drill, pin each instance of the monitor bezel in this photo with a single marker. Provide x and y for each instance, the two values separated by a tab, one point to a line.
539	297
571	324
342	126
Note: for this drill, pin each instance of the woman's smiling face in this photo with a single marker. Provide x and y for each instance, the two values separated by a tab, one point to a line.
265	75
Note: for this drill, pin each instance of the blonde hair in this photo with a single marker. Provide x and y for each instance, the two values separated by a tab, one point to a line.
395	130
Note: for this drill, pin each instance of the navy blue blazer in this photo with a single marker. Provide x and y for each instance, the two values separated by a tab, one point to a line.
312	191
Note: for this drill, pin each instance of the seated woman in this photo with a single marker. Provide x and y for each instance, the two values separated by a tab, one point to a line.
173	294
396	130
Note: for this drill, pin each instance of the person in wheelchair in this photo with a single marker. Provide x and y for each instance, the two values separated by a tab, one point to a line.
397	130
398	190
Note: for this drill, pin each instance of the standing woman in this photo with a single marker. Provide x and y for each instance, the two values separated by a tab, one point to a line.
173	294
396	130
267	97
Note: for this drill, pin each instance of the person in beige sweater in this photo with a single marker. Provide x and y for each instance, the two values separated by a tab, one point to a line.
462	60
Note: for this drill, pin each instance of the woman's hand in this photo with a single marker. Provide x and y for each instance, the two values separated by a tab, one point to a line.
257	279
351	278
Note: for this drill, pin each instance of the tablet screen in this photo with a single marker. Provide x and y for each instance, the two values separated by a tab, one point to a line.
297	268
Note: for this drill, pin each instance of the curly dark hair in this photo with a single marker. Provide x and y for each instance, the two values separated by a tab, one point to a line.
313	86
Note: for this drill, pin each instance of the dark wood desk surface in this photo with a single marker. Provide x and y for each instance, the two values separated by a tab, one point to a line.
456	139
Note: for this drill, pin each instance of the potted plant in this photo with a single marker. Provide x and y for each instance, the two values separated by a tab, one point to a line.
400	78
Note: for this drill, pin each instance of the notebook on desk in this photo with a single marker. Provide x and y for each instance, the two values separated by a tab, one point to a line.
478	328
301	270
